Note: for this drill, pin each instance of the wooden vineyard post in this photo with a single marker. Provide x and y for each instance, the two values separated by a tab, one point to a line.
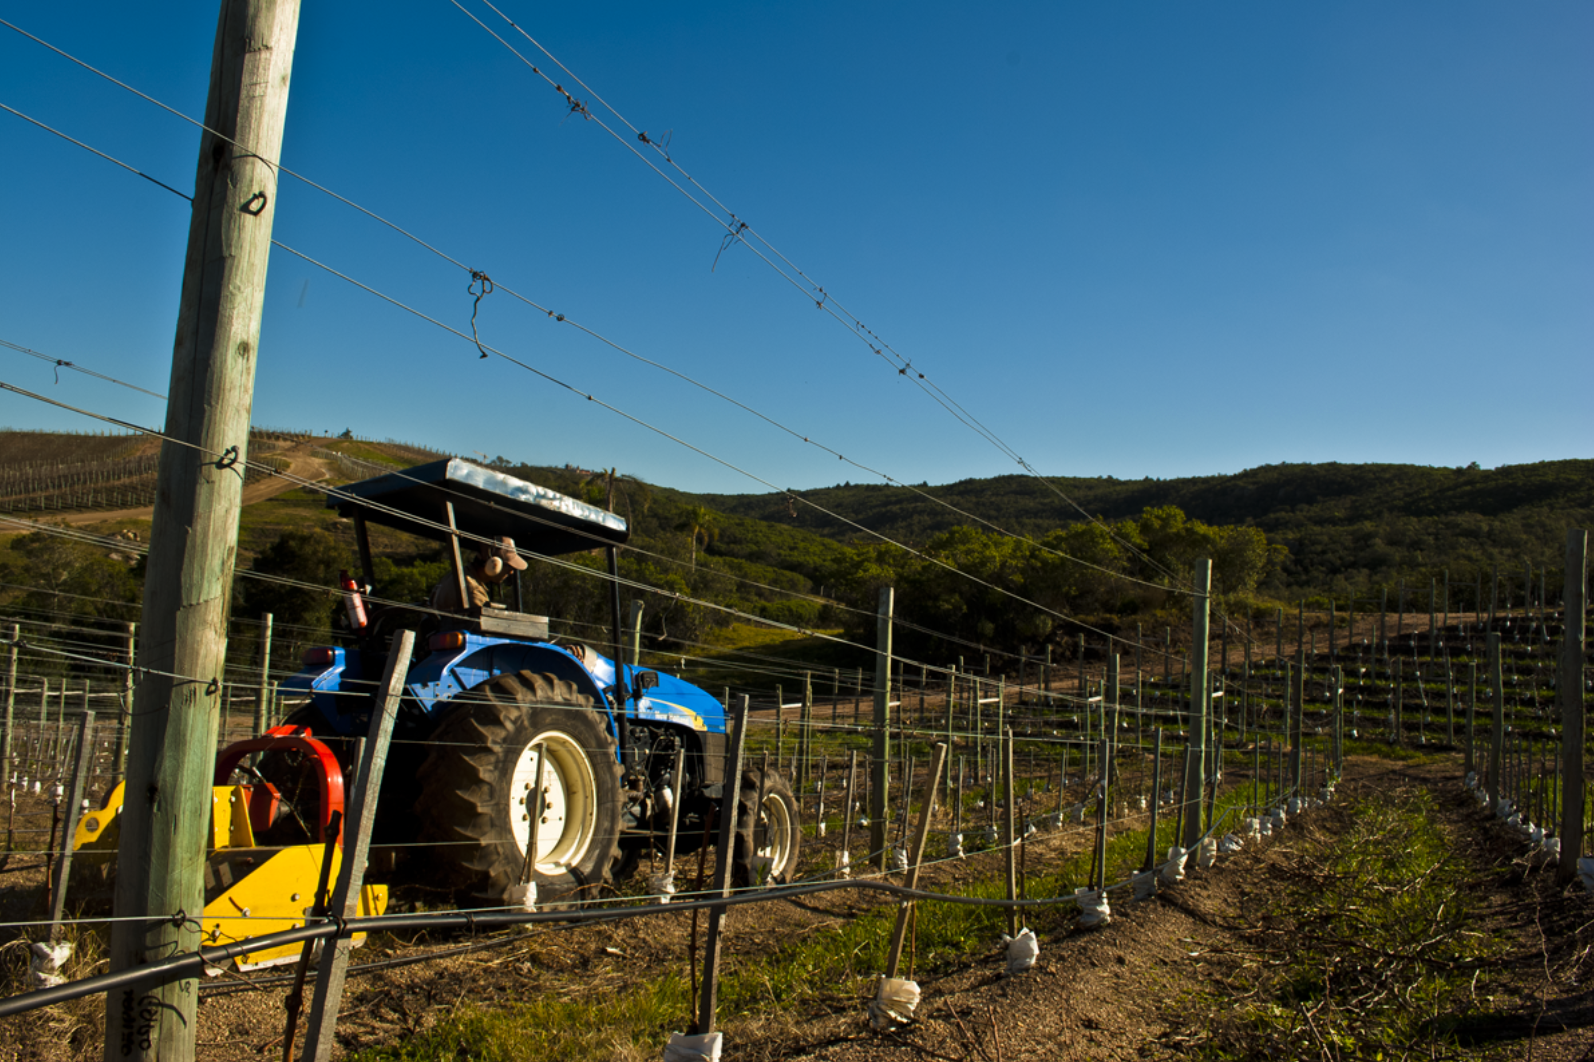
263	684
1472	718
1450	700
1433	617
1297	697
880	761
74	808
1098	861
1156	799
1569	690
1333	625
709	1002
1010	834
951	690
193	540
920	833
357	846
1397	736
124	721
1195	783
805	739
1337	686
846	814
1497	727
676	778
11	706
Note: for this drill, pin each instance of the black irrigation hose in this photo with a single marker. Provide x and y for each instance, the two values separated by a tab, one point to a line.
193	963
255	984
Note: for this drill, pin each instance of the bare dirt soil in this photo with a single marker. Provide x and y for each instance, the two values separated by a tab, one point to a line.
1152	985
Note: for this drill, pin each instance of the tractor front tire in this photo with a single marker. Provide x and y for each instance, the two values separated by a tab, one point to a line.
768	831
476	787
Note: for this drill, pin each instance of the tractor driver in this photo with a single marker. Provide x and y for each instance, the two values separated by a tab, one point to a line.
494	564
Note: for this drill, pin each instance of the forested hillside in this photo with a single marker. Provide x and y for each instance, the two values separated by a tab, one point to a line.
1347	527
1275	534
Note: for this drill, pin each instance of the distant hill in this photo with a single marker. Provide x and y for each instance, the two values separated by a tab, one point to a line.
1346	526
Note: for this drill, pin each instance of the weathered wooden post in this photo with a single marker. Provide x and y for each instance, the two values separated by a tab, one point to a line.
1337	680
345	901
263	684
847	814
1497	729
880	764
1433	616
11	704
1010	834
1569	691
1472	705
1196	780
780	740
74	808
1297	698
709	1002
805	740
1398	733
124	716
915	857
193	541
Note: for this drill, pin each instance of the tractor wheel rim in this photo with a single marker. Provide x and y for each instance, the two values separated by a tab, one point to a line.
570	806
773	834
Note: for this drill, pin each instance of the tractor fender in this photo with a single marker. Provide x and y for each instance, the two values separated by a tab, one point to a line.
322	681
445	674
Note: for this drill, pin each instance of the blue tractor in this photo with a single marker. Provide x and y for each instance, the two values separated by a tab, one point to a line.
492	703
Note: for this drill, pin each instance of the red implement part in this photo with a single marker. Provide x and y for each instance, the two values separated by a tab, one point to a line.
293	739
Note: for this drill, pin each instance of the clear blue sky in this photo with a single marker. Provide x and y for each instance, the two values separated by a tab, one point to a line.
1152	239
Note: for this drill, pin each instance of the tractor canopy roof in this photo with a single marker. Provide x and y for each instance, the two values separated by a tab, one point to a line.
487	504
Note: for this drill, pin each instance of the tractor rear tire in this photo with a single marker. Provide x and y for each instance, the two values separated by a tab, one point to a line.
768	831
476	783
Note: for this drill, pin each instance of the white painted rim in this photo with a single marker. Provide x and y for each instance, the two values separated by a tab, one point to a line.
773	834
570	802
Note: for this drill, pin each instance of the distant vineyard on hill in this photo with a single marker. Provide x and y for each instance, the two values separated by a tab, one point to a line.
45	472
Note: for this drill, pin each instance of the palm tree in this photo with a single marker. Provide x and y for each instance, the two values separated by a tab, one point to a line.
699	521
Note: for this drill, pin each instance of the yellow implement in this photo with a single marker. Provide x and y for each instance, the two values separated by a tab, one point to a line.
249	891
265	891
